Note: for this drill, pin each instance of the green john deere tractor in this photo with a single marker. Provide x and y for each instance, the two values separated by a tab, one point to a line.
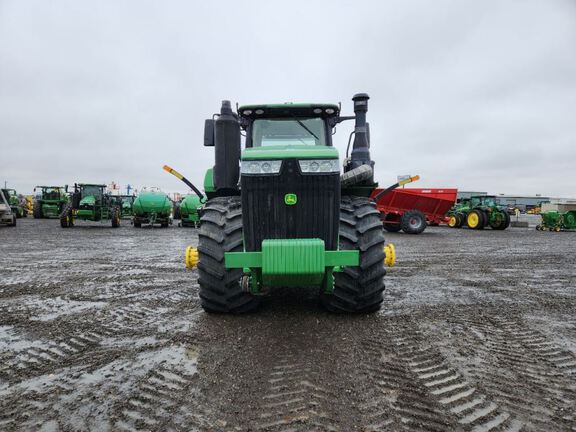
280	214
152	207
90	202
125	202
478	212
50	201
16	203
188	209
557	221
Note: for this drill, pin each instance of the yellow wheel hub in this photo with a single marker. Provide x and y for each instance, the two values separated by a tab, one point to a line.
390	255
191	257
473	220
452	221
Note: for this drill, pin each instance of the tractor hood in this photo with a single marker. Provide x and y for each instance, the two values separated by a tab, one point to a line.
148	202
89	200
290	151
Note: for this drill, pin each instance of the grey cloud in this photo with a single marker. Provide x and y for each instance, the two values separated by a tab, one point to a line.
475	95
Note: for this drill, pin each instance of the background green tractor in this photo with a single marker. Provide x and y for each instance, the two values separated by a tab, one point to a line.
280	214
90	202
478	212
187	209
17	203
126	203
7	216
50	201
557	221
152	207
190	211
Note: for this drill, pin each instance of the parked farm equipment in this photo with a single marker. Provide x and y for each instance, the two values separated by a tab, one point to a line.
126	203
7	216
411	210
152	207
478	212
90	202
557	221
50	201
17	203
279	213
188	209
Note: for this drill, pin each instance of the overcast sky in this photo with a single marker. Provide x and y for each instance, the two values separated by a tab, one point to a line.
479	95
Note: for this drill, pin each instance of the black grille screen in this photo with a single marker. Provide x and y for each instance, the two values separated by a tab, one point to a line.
266	216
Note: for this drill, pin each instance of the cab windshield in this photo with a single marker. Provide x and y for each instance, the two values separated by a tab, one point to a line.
288	131
91	190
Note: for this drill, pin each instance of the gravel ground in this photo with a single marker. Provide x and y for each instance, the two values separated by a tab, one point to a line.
101	329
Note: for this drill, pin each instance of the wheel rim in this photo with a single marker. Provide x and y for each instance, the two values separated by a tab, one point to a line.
414	222
473	220
452	222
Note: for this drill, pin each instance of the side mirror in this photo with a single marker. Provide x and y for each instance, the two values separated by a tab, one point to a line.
209	133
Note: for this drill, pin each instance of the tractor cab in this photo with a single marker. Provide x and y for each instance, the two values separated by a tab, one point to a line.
288	124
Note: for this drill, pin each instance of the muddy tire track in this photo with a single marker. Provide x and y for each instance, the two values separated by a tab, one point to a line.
522	371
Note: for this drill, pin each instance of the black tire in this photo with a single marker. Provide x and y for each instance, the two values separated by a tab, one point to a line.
507	224
455	220
358	289
413	222
221	231
164	224
115	217
462	219
502	223
14	218
66	218
137	222
391	227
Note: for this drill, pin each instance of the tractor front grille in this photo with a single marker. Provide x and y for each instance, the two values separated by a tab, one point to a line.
266	215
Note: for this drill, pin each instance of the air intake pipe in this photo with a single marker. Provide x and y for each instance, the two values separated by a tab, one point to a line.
227	149
361	148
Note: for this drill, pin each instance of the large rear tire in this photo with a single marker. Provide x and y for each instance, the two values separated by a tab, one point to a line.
220	232
476	219
389	226
501	221
115	217
413	222
66	217
359	289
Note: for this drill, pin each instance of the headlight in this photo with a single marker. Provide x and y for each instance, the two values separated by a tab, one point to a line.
261	167
319	166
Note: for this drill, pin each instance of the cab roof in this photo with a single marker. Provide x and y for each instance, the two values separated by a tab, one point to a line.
289	110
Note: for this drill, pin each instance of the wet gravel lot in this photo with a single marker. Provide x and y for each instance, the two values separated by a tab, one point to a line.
101	329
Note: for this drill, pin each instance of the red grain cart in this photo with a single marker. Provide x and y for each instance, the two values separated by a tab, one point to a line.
410	210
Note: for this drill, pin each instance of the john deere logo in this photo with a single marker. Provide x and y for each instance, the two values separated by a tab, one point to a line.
290	199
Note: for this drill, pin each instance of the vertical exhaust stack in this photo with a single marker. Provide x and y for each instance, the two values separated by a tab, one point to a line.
227	149
361	147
